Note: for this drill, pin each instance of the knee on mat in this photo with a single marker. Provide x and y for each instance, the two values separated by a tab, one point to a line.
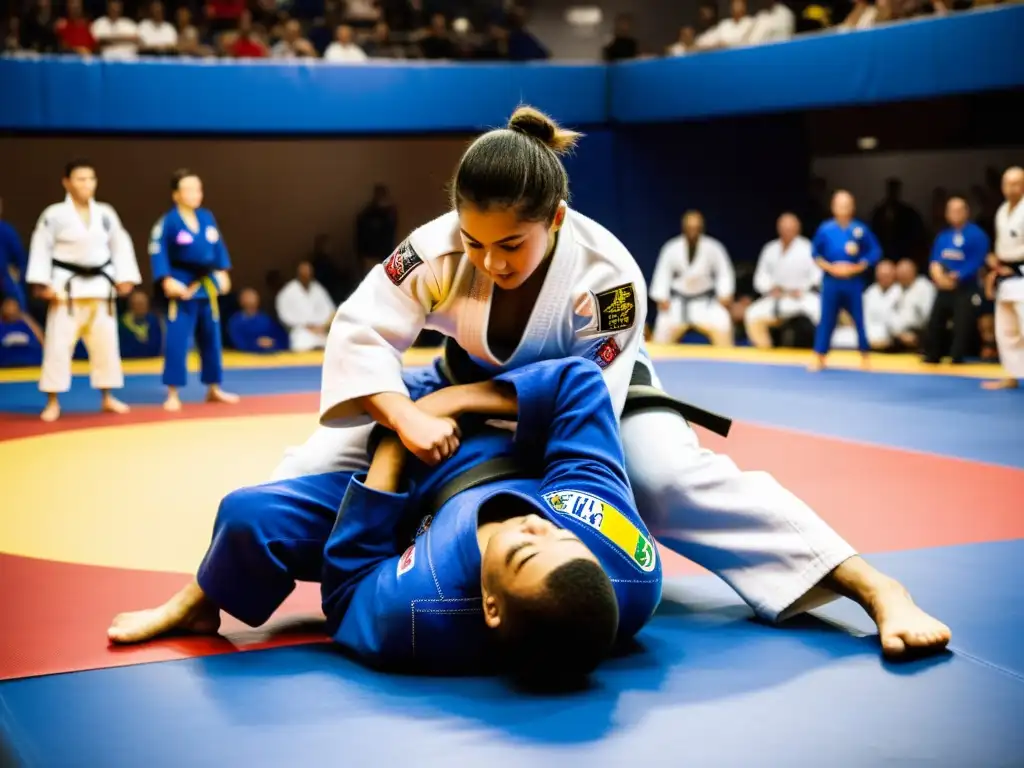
243	512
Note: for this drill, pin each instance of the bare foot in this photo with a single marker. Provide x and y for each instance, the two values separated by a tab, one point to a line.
817	364
865	362
188	611
112	405
903	628
217	395
51	412
172	403
1000	384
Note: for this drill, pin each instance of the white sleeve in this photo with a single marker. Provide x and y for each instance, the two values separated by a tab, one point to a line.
661	282
286	304
40	252
373	327
725	275
122	252
764	274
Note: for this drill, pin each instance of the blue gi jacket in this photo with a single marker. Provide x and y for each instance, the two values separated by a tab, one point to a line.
418	606
176	251
852	244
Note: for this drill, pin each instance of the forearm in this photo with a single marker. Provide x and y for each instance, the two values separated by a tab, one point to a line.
487	397
386	468
387	408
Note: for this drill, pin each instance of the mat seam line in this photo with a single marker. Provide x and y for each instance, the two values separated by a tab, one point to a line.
986	663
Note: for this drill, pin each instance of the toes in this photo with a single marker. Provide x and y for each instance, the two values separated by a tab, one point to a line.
893	645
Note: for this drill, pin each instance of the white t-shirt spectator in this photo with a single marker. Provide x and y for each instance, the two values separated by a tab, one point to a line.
772	24
345	53
105	29
727	33
153	35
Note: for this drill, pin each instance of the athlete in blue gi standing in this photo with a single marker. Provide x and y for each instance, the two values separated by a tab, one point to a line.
13	261
190	263
844	248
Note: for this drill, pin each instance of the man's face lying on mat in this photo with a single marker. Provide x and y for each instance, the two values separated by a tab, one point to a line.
542	588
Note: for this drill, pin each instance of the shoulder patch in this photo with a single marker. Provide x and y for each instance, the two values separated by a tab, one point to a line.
604	352
616	308
407	560
607	521
400	263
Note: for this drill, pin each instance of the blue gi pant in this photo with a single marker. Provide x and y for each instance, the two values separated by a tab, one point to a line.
193	318
266	538
838	294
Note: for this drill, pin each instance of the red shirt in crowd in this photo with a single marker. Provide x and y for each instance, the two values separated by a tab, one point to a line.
224	9
74	34
247	48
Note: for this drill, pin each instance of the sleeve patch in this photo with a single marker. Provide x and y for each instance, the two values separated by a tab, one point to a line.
604	352
608	522
402	262
616	308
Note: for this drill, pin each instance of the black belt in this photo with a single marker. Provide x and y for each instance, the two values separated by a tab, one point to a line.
77	270
685	299
1016	266
492	470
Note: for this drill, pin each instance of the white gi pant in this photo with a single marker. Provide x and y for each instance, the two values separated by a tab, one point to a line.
92	321
769	546
1009	319
305	340
845	336
770	311
704	313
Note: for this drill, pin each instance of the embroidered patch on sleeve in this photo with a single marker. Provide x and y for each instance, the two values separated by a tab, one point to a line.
616	308
608	522
400	263
604	352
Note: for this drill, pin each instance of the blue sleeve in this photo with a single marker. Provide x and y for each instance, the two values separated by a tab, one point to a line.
976	249
873	251
159	250
12	245
359	590
937	246
239	339
819	244
221	259
566	416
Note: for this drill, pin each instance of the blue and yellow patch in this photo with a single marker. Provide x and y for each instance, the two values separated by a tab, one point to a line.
609	522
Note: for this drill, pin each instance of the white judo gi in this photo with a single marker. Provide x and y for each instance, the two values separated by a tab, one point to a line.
84	307
880	308
299	307
913	308
693	284
793	271
743	526
1009	249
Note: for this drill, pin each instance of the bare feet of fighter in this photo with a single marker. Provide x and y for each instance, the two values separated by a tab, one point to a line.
52	410
173	402
217	395
903	628
1000	384
817	364
111	404
188	611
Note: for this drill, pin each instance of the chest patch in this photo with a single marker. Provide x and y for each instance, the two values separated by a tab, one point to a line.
607	521
407	560
183	238
399	264
616	308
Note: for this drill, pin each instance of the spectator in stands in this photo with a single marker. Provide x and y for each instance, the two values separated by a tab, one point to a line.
707	17
344	49
693	286
774	22
437	43
21	340
381	46
36	28
787	280
224	15
140	331
73	32
376	228
898	226
861	16
958	255
494	46
623	45
189	43
913	307
729	33
880	300
252	330
246	43
292	44
685	43
362	13
305	308
157	36
116	36
522	44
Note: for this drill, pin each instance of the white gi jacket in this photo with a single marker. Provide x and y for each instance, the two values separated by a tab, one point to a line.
693	275
1009	248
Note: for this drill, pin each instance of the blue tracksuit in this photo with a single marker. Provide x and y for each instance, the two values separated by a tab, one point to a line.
12	256
19	347
835	244
190	257
962	252
377	582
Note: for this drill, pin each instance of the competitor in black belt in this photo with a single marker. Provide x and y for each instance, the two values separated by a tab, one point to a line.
80	260
1006	281
190	263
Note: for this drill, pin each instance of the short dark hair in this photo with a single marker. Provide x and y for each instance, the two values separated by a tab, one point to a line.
73	165
517	167
558	636
179	176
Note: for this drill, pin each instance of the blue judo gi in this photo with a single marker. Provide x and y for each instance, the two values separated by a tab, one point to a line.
401	581
852	244
12	259
190	257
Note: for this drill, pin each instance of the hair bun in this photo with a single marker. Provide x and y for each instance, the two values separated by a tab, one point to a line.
537	125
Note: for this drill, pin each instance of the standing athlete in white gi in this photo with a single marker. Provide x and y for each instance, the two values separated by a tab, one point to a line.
1006	281
80	259
787	278
693	284
513	276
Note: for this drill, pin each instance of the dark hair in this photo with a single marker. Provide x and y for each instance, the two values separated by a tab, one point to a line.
558	636
76	164
179	176
517	167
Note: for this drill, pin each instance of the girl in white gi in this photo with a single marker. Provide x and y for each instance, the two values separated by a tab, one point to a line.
511	276
1006	281
80	259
